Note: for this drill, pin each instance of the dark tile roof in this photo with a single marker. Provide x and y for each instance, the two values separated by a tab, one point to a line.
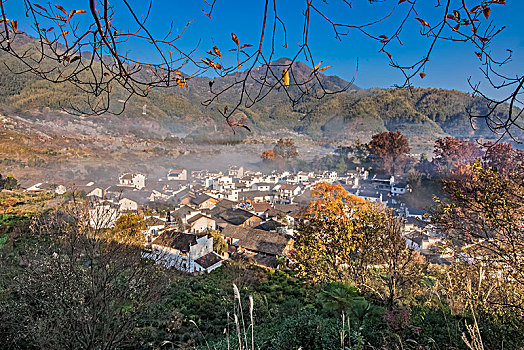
181	195
183	211
303	198
196	217
288	187
232	216
437	259
253	194
416	222
265	260
289	209
177	240
201	199
274	213
119	189
261	207
270	225
381	177
208	260
258	240
270	184
197	188
417	211
152	221
417	239
369	193
216	211
226	203
140	197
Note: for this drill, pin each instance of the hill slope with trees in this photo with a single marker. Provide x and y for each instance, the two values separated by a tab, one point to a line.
427	113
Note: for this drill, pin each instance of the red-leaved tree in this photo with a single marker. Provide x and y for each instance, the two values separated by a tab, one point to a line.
389	152
451	151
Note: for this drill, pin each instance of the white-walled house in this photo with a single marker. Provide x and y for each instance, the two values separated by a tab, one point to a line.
304	177
60	189
42	187
231	194
137	181
388	180
96	192
262	186
416	213
236	172
222	183
103	215
369	195
419	241
186	252
177	174
201	223
287	190
154	225
127	204
330	176
398	189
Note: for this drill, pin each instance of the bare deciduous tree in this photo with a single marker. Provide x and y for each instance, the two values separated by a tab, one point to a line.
81	286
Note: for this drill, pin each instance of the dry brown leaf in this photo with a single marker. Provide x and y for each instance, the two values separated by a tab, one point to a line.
40	7
61	9
424	23
485	11
235	38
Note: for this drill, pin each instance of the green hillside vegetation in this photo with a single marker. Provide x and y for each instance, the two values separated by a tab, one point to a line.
427	113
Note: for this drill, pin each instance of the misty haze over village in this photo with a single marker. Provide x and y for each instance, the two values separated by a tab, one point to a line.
272	175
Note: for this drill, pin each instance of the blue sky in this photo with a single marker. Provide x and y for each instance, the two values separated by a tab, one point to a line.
450	66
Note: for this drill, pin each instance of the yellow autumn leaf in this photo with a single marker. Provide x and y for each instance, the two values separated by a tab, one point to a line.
182	83
316	67
74	12
285	77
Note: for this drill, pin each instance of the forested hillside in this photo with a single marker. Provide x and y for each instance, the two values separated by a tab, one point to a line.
354	113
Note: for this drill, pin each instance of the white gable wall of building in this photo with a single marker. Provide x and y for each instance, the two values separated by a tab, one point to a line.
171	257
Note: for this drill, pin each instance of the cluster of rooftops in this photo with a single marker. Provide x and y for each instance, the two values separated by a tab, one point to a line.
255	213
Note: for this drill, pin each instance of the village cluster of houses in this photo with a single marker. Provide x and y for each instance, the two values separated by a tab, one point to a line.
255	213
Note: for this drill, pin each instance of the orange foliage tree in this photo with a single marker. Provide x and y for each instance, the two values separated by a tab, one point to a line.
268	155
345	238
325	242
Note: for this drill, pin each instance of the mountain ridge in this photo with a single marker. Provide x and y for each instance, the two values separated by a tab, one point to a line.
355	112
